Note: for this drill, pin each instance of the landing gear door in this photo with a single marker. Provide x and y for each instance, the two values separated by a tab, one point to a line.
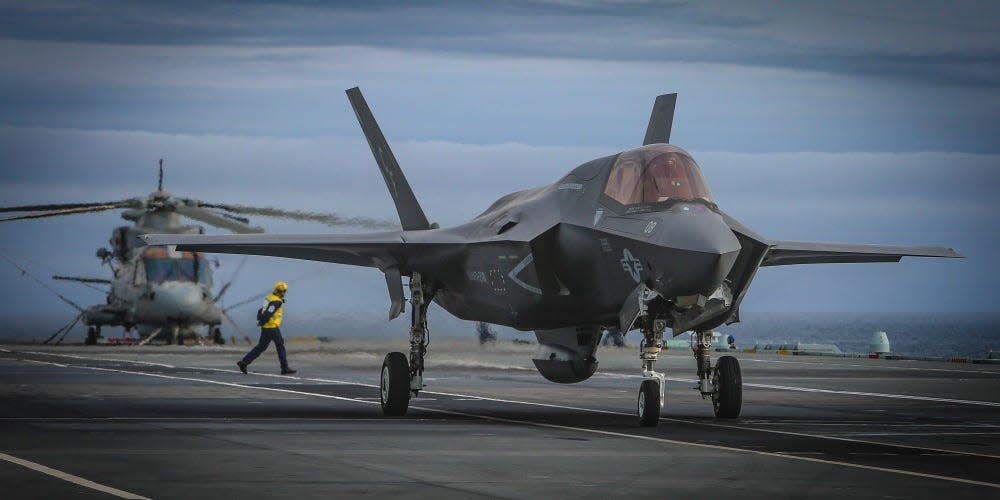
395	283
631	309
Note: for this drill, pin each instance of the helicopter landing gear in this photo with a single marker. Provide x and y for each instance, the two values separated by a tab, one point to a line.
400	379
724	383
217	336
652	390
93	333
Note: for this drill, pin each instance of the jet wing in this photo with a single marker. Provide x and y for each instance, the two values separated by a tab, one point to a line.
380	250
785	253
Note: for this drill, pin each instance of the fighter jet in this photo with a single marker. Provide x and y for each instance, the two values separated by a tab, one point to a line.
633	240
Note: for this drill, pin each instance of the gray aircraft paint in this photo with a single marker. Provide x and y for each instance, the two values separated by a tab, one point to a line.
558	260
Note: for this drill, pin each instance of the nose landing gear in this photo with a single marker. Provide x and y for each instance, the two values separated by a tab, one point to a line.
651	391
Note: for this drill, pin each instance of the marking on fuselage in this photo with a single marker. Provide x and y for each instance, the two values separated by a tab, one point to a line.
570	185
597	215
650	227
631	265
605	245
520	267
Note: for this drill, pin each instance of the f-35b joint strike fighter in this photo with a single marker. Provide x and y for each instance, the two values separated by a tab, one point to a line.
634	240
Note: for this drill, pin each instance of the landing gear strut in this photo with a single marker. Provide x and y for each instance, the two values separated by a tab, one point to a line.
724	383
651	391
93	333
401	379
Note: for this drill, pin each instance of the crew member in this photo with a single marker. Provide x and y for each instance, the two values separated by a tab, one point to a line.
269	319
485	333
732	342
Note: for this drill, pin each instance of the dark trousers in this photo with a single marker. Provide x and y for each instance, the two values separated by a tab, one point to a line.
266	336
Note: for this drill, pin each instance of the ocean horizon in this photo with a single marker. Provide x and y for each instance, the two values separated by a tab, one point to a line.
932	334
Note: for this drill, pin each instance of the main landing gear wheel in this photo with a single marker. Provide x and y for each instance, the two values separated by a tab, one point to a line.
92	334
649	403
727	399
395	385
217	336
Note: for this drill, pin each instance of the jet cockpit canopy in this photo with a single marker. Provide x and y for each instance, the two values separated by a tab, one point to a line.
656	173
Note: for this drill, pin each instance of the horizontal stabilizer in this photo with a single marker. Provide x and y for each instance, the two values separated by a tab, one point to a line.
661	120
784	253
411	216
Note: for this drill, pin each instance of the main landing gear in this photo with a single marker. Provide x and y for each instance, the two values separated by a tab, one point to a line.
723	384
402	378
93	333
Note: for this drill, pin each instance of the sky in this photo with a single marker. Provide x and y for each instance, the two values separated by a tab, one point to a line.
854	121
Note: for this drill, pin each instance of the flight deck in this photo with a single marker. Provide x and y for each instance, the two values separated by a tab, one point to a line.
183	422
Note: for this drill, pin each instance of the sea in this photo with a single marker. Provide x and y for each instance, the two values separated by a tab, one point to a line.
941	335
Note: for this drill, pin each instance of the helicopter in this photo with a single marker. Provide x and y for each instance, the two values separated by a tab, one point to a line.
156	290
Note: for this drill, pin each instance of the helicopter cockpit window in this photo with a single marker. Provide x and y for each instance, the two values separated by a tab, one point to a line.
656	173
160	266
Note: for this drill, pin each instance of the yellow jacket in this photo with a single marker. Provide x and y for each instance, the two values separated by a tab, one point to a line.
273	309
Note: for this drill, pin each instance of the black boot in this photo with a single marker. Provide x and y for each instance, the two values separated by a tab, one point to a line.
287	371
243	366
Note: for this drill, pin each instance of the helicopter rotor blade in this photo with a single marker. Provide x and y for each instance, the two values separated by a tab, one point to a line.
200	214
67	211
100	281
69	328
131	202
232	279
329	219
40	282
65	328
244	302
231	322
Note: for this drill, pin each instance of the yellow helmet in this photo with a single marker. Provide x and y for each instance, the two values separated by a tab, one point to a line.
280	287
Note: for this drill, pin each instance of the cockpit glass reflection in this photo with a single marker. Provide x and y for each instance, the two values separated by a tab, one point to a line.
654	174
161	266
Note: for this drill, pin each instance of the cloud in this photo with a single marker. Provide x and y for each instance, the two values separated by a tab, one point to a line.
932	40
902	198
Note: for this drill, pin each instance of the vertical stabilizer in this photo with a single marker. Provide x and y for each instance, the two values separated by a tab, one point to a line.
411	216
660	121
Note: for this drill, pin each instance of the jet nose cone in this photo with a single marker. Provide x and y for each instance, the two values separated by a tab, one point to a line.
701	251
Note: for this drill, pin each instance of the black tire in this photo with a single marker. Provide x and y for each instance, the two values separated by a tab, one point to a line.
728	397
217	336
91	336
648	405
394	390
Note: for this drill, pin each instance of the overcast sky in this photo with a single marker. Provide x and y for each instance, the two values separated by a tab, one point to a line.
853	121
